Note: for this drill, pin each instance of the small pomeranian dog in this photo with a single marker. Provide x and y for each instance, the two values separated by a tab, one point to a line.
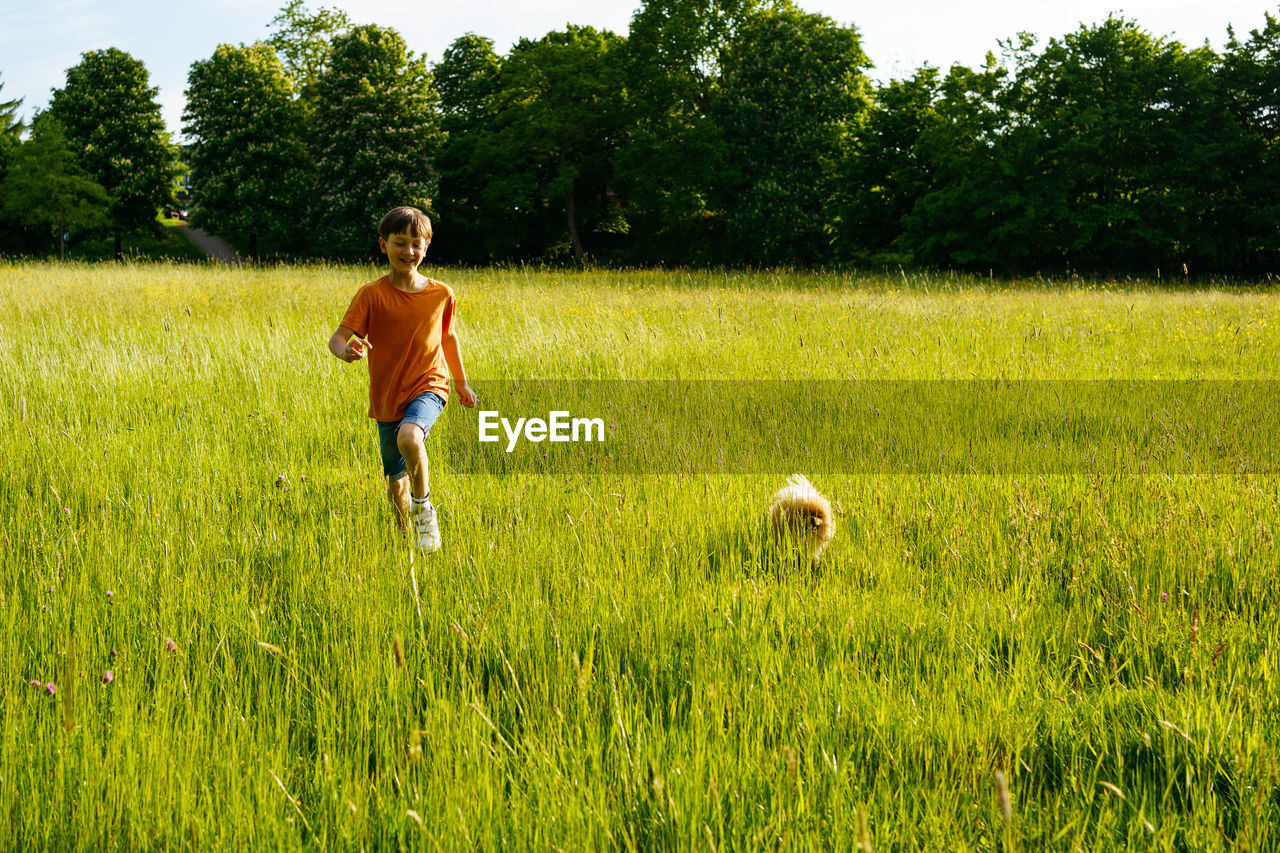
799	514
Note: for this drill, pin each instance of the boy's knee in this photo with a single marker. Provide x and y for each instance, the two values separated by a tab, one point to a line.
409	438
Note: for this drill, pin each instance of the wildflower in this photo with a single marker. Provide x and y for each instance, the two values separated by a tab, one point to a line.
107	677
66	510
1164	596
44	608
170	645
114	653
34	683
50	588
110	595
280	481
50	689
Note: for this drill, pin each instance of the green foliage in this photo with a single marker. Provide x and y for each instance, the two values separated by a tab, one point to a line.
11	128
1107	149
168	243
250	170
527	165
792	95
303	40
549	148
670	157
885	173
967	217
113	124
718	132
466	79
1249	83
376	133
44	188
1122	130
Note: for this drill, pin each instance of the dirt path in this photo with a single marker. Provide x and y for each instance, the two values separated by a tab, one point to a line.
215	247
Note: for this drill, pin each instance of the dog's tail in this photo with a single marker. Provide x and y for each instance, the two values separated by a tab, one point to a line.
798	481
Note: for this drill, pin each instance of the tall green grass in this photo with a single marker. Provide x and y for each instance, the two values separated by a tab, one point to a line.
613	661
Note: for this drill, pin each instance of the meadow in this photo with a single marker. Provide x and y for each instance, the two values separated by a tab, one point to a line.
1080	657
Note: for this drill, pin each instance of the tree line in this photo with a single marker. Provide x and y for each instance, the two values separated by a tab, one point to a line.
715	132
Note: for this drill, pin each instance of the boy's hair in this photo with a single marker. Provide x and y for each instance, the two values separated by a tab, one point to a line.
405	220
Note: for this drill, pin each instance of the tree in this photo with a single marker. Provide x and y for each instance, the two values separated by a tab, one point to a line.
792	93
113	123
555	128
11	128
885	176
45	188
250	169
666	166
1249	83
969	216
466	79
1123	128
303	40
377	133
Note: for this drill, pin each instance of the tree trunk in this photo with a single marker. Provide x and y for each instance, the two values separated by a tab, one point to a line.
572	216
253	248
62	240
571	213
119	250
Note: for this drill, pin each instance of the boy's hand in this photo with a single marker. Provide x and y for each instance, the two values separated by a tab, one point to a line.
357	348
465	395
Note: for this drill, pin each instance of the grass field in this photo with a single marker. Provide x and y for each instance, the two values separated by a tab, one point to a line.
1079	659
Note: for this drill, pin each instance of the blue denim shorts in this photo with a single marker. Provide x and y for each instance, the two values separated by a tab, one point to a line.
421	411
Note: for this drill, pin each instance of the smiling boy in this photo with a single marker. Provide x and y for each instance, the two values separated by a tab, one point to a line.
403	324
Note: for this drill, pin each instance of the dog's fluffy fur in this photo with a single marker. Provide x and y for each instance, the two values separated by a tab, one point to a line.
800	515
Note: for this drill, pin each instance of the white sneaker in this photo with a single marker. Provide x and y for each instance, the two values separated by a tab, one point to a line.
426	528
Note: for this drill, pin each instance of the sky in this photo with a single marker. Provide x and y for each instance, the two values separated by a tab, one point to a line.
39	41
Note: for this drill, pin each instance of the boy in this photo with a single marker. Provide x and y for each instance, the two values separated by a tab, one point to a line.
403	324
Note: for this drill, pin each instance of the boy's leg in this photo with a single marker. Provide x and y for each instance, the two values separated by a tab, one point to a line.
411	440
425	527
393	468
419	415
398	494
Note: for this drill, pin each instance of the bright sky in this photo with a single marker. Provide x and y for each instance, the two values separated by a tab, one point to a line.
39	41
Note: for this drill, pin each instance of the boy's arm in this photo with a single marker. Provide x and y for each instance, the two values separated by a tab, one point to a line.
346	347
453	357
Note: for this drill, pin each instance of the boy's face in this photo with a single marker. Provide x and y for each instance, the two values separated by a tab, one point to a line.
403	252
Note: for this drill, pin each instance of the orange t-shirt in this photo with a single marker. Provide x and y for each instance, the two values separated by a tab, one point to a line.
406	332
